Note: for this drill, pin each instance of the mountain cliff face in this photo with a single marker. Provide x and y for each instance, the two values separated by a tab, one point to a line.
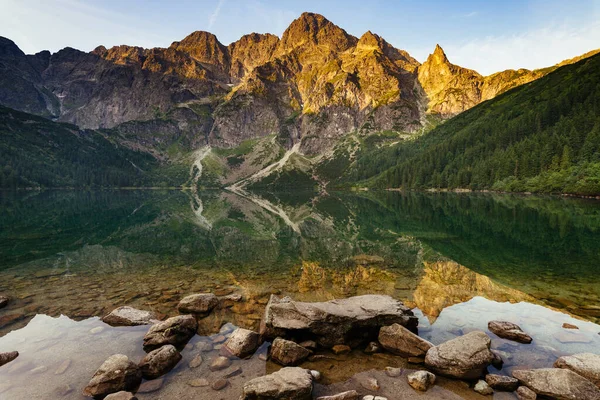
317	88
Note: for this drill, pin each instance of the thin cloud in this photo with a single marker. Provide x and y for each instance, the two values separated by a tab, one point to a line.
215	14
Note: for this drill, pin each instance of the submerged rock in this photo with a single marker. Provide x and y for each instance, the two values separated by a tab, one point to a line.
116	374
242	343
286	352
510	331
341	349
160	361
122	395
584	364
289	383
483	388
399	340
524	393
502	382
202	303
5	358
465	357
176	331
220	363
129	316
349	321
421	380
559	383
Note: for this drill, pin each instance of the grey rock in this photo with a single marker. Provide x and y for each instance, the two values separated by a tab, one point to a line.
349	395
465	357
219	384
510	331
421	380
122	395
5	358
502	382
524	393
562	384
349	321
584	364
399	340
176	331
286	352
116	374
483	388
202	303
242	343
289	383
129	316
160	361
220	363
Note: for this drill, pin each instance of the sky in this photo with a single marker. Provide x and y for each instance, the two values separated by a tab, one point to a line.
485	35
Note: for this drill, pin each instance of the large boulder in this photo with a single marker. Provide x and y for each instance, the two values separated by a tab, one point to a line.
5	358
290	383
129	316
160	361
465	357
116	374
350	321
584	364
399	340
286	352
201	303
176	331
241	343
510	331
562	384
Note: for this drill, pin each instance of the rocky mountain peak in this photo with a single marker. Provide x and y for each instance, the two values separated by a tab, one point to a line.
251	51
438	56
9	48
204	47
310	30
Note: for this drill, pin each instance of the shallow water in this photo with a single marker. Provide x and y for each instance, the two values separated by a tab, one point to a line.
459	259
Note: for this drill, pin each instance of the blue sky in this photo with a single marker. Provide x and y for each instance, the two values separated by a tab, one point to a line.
487	36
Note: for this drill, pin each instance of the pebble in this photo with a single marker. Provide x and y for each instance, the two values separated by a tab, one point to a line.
63	367
231	372
341	349
483	388
220	363
62	390
200	382
196	361
370	384
39	370
203	346
151	386
96	330
566	325
219	384
393	372
316	375
262	357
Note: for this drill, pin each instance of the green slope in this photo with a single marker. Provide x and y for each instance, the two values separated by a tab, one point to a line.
540	137
36	152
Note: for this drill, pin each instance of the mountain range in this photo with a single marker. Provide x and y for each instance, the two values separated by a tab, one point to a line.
262	111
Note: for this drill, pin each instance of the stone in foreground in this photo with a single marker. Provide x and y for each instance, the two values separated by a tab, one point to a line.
584	364
129	316
122	395
502	383
116	374
176	331
510	331
349	321
483	388
421	380
286	352
524	393
242	343
349	395
289	383
399	340
562	384
160	361
202	303
465	357
5	358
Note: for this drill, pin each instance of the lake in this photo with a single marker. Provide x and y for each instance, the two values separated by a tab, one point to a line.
458	259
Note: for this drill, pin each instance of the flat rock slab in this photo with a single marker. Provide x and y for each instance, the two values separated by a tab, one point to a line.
116	374
399	340
465	357
290	383
176	331
349	321
510	331
129	316
584	364
562	384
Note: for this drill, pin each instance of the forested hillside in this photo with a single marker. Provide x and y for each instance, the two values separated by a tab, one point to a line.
540	137
39	153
